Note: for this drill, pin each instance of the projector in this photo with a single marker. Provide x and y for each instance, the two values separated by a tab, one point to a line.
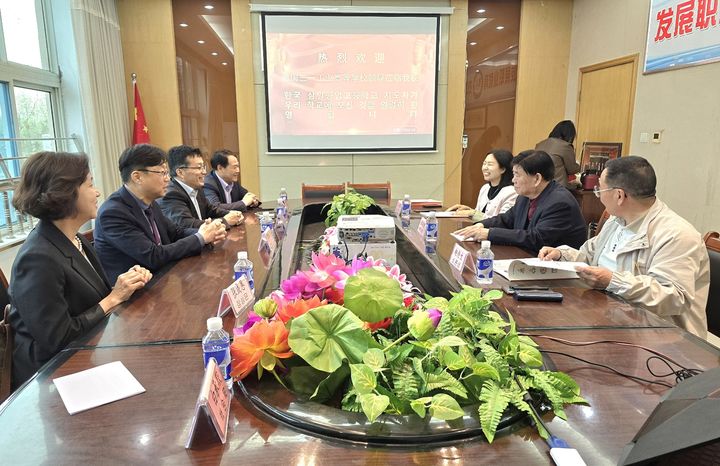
370	235
366	229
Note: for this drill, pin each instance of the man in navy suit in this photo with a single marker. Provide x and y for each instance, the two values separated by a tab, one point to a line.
184	202
130	226
221	187
545	213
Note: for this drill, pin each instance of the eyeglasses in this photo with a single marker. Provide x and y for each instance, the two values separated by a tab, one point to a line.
597	190
202	167
162	173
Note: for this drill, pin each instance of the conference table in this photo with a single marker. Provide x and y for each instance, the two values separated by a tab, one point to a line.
157	337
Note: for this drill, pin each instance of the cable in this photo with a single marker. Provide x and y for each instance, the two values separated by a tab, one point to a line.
629	376
680	375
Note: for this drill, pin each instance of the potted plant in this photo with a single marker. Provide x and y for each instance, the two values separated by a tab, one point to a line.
349	203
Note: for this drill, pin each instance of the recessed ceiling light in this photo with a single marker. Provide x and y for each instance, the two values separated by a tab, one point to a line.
214	54
209	7
473	43
481	11
500	28
477	71
201	42
183	25
224	63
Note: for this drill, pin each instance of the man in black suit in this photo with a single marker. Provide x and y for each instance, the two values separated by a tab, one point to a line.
184	202
221	187
545	213
131	228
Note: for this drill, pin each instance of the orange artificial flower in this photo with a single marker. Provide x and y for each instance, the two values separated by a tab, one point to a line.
375	326
264	343
298	307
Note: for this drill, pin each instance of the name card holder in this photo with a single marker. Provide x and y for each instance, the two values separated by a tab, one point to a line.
459	259
268	242
212	410
238	297
398	208
422	227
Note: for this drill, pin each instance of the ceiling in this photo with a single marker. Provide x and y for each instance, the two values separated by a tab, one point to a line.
206	31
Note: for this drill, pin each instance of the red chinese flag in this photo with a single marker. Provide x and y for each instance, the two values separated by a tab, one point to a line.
141	134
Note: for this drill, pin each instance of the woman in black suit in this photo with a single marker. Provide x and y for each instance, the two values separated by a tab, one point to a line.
58	289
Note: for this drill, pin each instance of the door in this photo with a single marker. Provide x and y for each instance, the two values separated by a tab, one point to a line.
606	98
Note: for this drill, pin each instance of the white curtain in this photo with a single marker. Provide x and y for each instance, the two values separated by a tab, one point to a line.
102	87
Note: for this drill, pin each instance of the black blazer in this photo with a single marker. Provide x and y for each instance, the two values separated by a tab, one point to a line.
215	194
55	294
179	208
123	236
557	220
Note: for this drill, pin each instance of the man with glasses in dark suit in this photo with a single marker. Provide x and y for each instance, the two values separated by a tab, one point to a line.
184	202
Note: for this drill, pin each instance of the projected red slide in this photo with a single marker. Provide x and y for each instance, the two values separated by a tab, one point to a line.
351	84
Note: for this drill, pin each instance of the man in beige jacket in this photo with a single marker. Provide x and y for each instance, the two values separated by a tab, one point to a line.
645	253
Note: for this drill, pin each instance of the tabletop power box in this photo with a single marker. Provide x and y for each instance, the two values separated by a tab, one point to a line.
373	235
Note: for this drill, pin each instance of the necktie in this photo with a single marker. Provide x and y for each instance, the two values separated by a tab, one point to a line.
153	225
533	207
228	193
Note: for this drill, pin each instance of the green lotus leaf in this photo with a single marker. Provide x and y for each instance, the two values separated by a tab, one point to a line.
372	295
327	335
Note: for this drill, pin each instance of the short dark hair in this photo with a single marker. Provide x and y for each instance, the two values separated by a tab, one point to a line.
564	130
178	156
632	174
534	162
220	158
138	157
49	184
504	159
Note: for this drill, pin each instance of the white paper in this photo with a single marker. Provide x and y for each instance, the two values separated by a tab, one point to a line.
461	238
566	457
425	201
535	269
554	265
443	214
97	386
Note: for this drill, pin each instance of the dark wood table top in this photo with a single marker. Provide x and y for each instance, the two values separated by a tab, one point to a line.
156	335
152	427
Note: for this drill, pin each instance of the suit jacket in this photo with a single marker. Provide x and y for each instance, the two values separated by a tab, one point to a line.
123	236
557	220
179	208
215	194
55	293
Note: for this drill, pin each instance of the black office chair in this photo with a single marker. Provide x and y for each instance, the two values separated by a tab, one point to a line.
712	310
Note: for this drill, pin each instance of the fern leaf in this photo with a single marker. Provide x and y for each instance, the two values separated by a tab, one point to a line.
516	398
493	402
496	360
445	381
405	383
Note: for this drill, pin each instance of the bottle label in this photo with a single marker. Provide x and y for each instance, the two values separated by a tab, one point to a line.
280	211
248	273
405	211
265	226
484	268
220	356
432	231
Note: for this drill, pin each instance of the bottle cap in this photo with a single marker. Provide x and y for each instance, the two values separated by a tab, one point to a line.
214	323
407	196
282	189
485	245
242	254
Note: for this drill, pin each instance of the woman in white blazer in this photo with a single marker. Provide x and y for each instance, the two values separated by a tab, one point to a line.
498	194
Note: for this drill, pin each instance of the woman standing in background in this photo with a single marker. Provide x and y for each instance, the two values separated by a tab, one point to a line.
559	145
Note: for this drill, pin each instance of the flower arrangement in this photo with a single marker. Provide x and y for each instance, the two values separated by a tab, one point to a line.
350	203
359	331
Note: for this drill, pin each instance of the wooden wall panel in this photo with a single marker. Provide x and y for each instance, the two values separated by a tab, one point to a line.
148	43
545	31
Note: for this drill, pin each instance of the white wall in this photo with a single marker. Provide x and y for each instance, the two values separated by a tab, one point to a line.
684	104
418	174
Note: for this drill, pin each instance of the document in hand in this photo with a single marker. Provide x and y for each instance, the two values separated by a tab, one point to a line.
97	386
536	269
453	214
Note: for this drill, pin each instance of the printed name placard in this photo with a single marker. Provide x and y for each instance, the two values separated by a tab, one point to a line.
422	227
212	409
238	297
268	242
459	257
398	208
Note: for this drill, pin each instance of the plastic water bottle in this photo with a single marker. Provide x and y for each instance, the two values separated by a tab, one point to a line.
243	267
216	344
266	222
406	205
431	228
485	258
281	209
283	195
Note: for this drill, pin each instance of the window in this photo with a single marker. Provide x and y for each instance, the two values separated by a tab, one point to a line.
29	101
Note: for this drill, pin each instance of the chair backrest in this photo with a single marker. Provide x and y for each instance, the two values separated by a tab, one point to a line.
89	236
320	192
712	310
4	295
380	192
6	351
601	222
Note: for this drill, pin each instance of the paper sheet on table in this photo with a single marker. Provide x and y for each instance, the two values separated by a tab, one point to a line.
97	386
535	269
444	214
461	238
